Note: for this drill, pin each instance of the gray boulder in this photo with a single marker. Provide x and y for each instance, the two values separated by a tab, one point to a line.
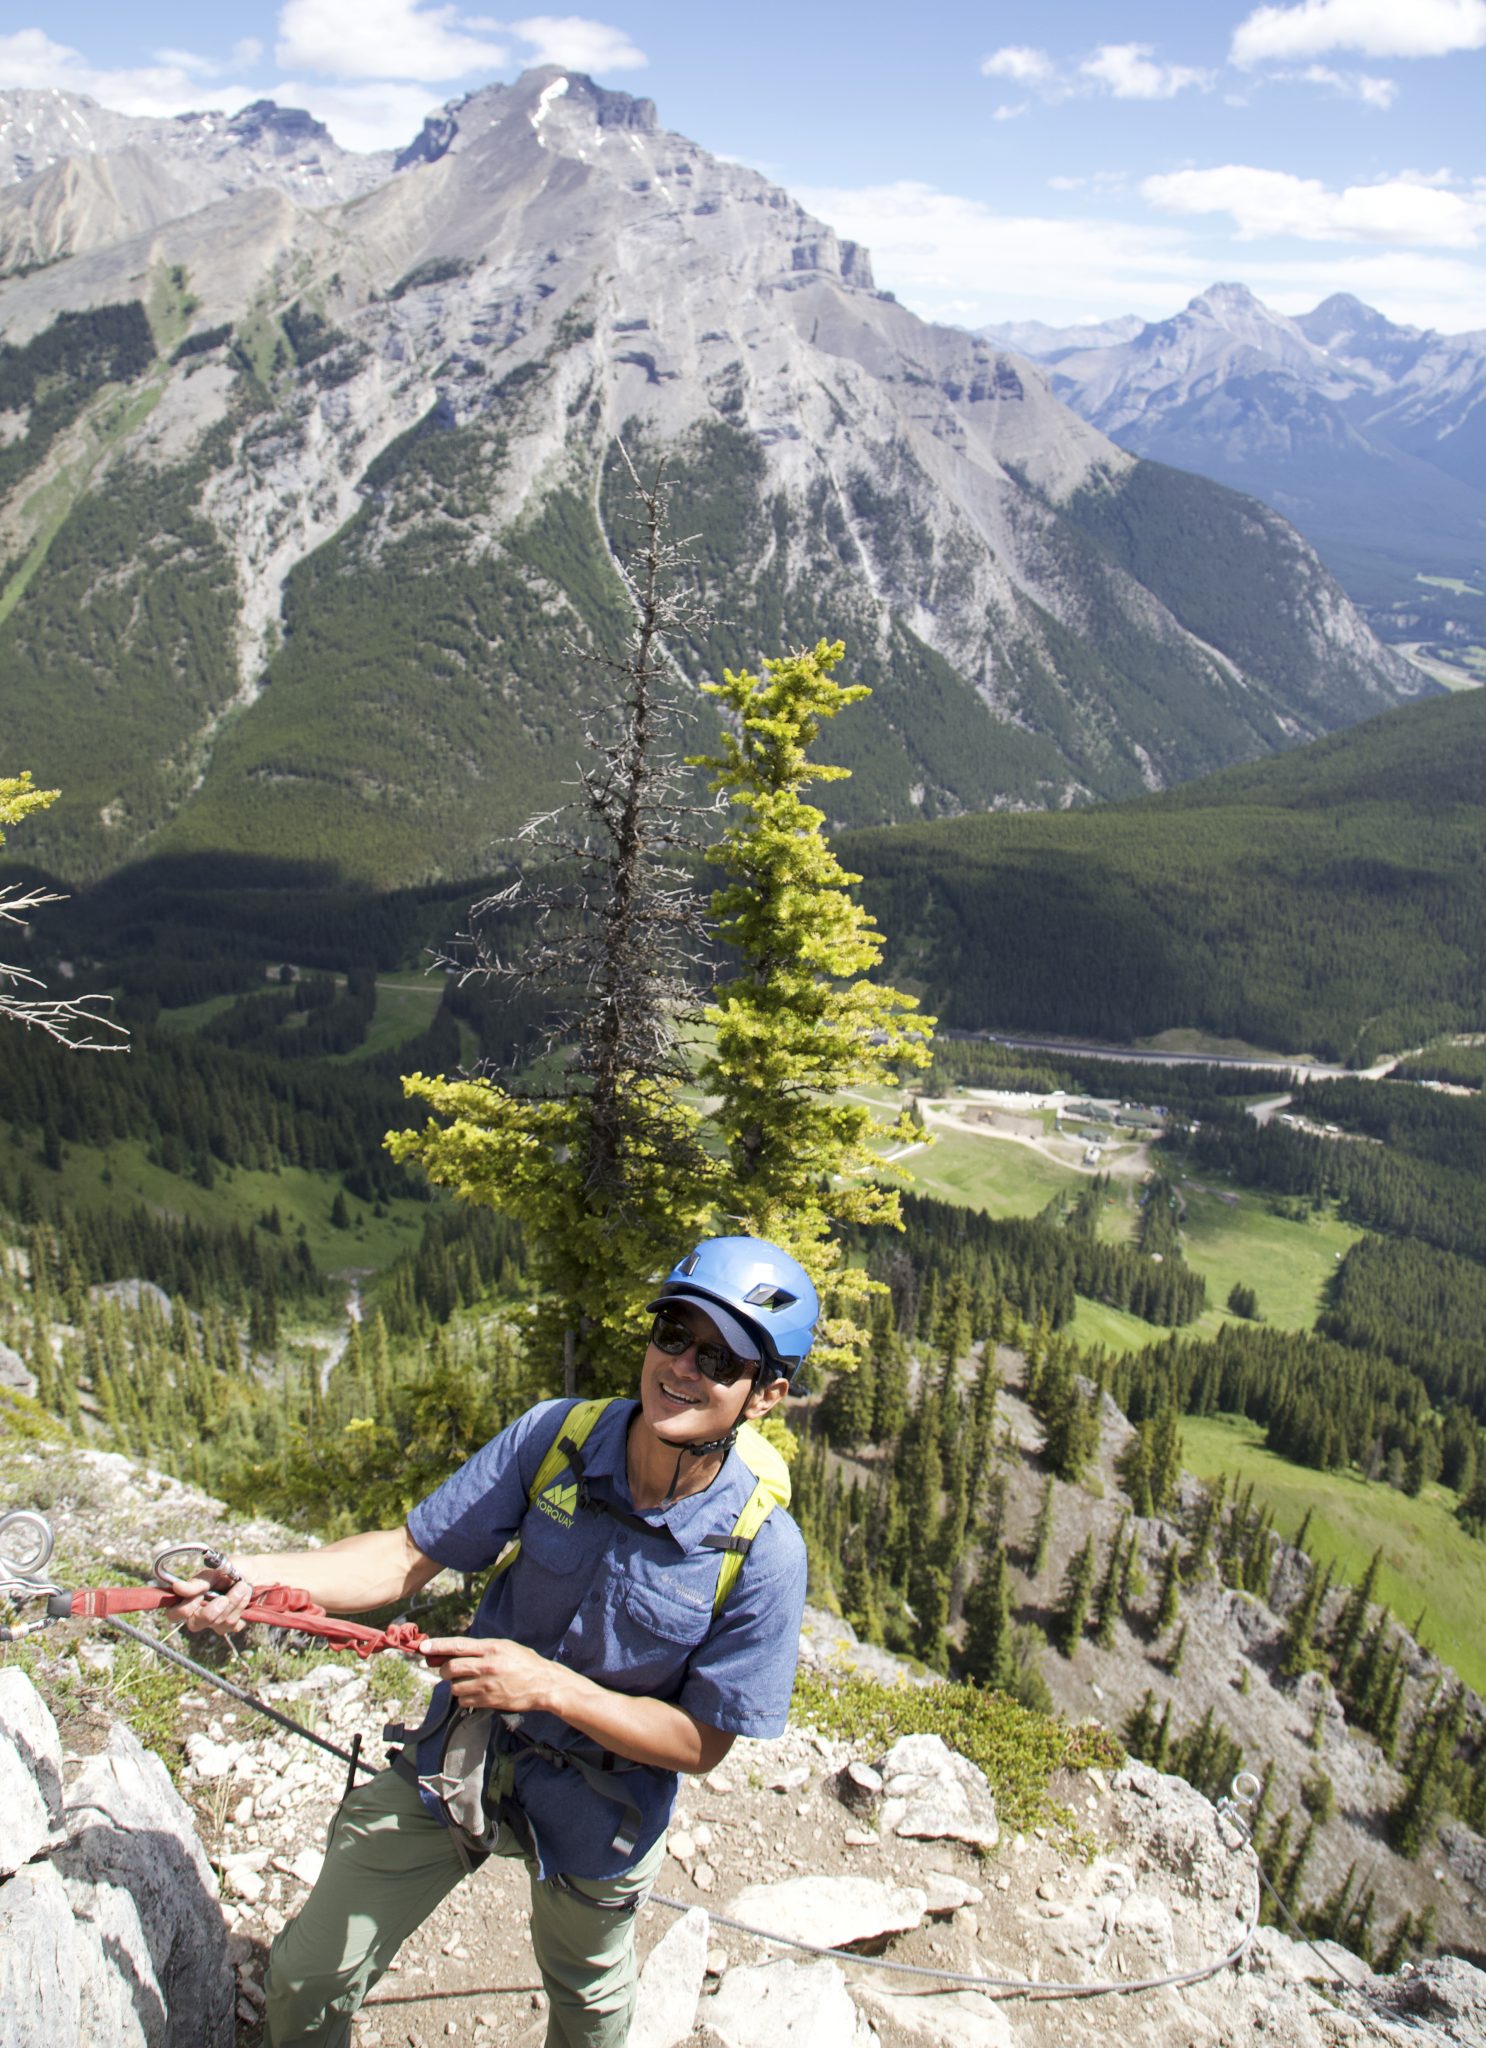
136	1871
30	1772
671	1984
787	2005
40	1969
1444	1993
934	1793
830	1912
943	2019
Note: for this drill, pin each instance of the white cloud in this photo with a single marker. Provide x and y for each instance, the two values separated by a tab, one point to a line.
437	43
1096	181
953	258
1444	292
1011	112
29	58
1407	212
1019	62
1130	72
943	253
1355	85
186	60
385	39
244	55
1378	28
586	45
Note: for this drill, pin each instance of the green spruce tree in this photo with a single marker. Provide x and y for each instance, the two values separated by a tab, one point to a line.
1073	1606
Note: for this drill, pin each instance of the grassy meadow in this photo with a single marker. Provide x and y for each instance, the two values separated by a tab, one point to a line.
1003	1178
1229	1234
241	1196
405	1006
1428	1560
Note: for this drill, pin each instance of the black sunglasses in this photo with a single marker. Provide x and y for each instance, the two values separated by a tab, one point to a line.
714	1361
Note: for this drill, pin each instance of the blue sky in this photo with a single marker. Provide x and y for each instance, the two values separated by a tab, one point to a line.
1064	163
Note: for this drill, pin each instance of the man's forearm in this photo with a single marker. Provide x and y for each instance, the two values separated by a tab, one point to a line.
370	1570
646	1731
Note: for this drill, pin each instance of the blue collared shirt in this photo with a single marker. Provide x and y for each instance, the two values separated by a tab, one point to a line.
630	1607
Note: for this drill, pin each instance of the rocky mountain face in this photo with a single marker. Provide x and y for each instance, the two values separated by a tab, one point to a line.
1370	436
296	568
75	176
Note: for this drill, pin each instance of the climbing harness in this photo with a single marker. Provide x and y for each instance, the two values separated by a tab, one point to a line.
454	1758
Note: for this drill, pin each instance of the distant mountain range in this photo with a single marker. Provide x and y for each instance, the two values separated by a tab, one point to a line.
1369	436
307	484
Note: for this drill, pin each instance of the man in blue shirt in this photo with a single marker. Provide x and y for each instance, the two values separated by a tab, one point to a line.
602	1650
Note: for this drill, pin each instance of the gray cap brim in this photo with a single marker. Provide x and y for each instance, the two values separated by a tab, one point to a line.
737	1336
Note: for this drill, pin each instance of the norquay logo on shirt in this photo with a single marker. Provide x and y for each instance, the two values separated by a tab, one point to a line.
559	1501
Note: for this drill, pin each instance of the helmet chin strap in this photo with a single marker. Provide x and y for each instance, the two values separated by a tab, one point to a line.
718	1443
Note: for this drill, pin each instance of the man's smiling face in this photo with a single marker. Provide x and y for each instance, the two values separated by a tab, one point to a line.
681	1405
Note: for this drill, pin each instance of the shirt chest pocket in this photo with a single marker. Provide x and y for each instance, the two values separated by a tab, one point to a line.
553	1569
663	1626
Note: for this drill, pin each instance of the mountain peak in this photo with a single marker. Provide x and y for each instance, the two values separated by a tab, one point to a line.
266	120
460	121
1227	298
1344	306
1342	318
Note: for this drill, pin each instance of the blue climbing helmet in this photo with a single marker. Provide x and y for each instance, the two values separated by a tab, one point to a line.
763	1301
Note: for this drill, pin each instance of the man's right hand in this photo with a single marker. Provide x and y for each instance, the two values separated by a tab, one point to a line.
356	1573
213	1603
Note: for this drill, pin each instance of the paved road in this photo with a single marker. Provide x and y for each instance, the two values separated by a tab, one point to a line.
1297	1070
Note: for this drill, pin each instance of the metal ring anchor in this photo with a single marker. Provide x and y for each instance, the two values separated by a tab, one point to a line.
1234	1805
26	1543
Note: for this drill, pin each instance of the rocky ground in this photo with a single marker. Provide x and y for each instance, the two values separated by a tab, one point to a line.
901	1858
786	1835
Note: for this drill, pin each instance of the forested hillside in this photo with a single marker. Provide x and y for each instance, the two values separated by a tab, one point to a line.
1331	901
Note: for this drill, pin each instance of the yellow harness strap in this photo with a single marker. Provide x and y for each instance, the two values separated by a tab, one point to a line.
771	1489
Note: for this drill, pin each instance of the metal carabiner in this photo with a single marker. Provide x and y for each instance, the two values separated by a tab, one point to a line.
26	1544
212	1560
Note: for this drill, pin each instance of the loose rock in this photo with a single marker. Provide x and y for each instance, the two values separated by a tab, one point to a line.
830	1912
787	2005
958	2019
933	1793
30	1772
671	1984
133	1840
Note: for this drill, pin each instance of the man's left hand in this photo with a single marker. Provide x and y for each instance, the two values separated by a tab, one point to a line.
489	1671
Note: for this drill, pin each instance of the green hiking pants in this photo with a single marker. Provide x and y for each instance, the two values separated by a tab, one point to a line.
387	1865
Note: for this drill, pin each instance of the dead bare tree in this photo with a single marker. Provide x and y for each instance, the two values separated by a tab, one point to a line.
73	1021
616	916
